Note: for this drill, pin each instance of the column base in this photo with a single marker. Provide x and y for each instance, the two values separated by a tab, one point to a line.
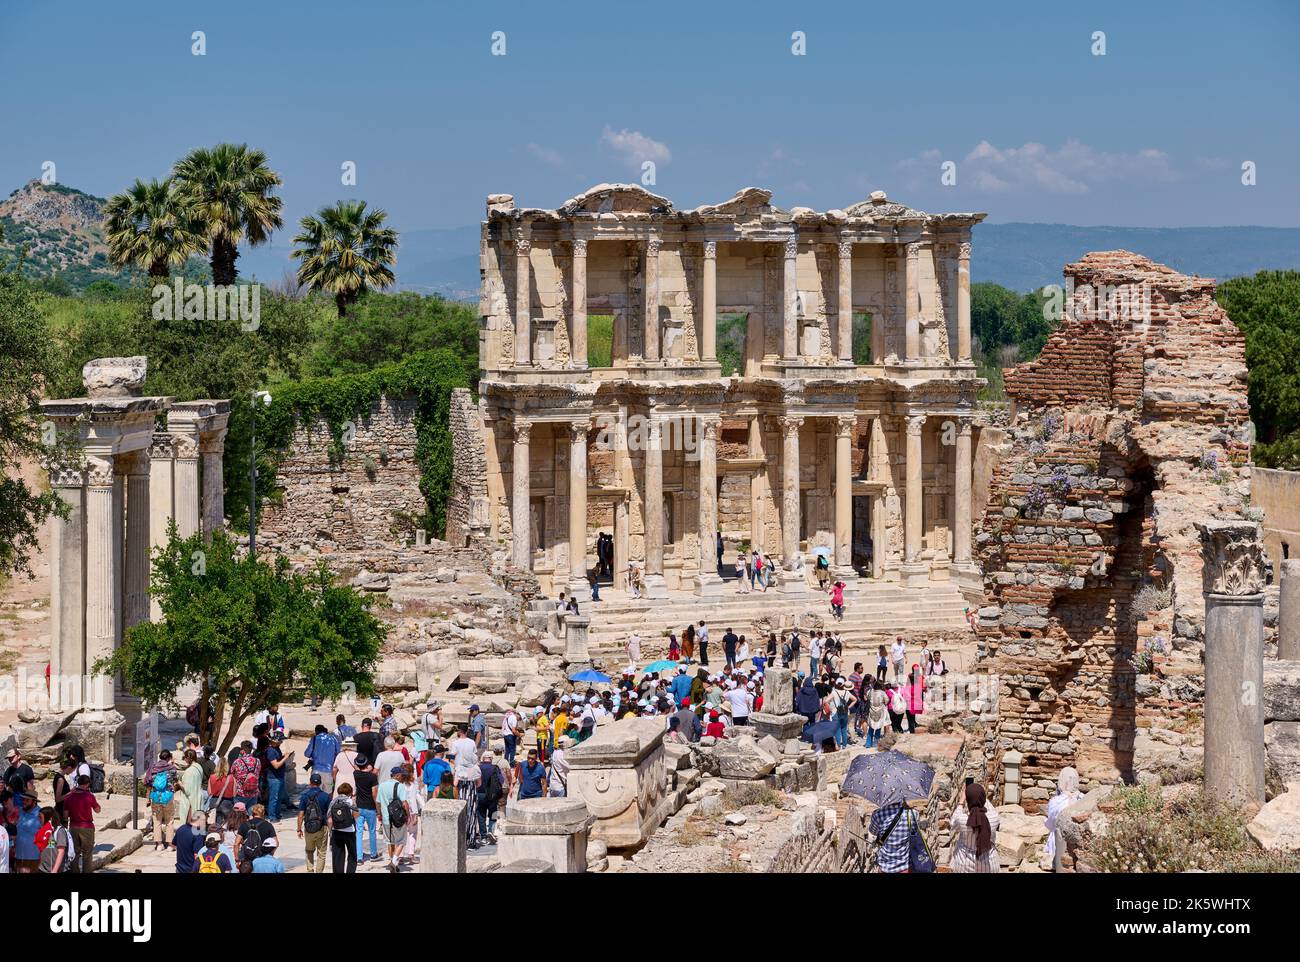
793	584
709	585
655	587
914	574
848	574
580	587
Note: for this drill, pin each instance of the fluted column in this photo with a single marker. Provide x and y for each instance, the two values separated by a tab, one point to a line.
186	481
523	295
844	430
136	576
103	575
650	347
67	586
790	489
963	302
961	514
790	292
757	449
911	305
655	585
709	296
578	505
213	448
845	335
520	512
578	313
708	513
912	515
162	464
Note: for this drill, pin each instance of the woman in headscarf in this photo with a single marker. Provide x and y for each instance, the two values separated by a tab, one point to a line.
975	824
699	687
809	702
1067	793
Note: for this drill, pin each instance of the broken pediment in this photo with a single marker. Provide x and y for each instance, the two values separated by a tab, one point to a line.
748	200
878	205
616	199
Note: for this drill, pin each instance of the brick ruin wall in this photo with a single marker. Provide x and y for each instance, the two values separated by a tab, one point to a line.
365	498
1128	428
467	505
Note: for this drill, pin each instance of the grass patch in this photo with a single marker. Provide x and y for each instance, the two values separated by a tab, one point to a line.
697	831
739	797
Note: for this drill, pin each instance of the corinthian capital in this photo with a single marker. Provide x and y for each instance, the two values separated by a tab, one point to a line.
523	431
915	422
790	425
846	250
1232	557
963	251
710	250
579	248
845	425
791	246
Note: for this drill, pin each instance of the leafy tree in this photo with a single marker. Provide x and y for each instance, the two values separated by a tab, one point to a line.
26	361
387	328
230	189
247	632
150	225
346	251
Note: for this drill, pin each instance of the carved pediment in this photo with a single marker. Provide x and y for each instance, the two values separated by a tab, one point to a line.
616	199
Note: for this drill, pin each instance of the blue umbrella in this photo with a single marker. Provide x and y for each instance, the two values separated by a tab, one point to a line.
885	777
663	664
589	674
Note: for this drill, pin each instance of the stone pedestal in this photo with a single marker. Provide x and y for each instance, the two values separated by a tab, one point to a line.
1233	579
1288	620
620	775
782	727
443	824
576	628
778	690
551	830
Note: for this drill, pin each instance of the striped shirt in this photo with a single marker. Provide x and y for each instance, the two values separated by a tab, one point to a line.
893	852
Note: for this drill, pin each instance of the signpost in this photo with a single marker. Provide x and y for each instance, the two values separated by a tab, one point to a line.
148	730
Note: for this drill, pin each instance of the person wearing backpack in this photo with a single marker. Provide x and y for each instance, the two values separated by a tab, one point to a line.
253	835
491	788
160	781
892	826
342	824
211	860
321	751
390	802
57	852
189	842
313	810
510	730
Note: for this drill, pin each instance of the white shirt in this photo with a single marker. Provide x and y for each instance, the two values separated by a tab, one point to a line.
510	722
4	853
465	755
898	651
815	647
385	762
741	702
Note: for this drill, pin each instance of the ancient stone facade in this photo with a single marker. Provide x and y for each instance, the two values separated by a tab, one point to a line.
1130	427
801	449
360	492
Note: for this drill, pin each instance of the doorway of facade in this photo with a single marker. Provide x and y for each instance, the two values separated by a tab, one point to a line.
863	547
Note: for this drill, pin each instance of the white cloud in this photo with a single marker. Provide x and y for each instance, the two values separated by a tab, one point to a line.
1073	168
634	147
547	155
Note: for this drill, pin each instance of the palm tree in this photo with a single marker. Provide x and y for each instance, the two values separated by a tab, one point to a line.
230	186
346	251
149	225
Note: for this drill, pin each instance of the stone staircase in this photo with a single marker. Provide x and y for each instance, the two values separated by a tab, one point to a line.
877	610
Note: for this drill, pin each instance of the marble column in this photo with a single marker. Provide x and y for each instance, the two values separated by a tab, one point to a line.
913	569
521	527
845	427
790	490
963	302
1288	615
137	563
1232	574
621	542
103	575
709	297
790	301
578	506
961	512
653	508
67	588
757	450
708	513
578	312
651	337
186	486
911	304
845	330
212	448
523	298
162	464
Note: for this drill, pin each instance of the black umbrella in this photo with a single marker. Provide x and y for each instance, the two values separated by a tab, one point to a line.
886	777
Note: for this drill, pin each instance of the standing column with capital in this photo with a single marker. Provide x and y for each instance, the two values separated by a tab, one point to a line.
708	479
845	426
653	505
135	593
790	527
521	535
911	303
103	575
961	512
963	302
709	296
913	571
650	347
790	309
578	506
186	485
845	332
1232	558
67	585
523	297
757	481
578	312
212	448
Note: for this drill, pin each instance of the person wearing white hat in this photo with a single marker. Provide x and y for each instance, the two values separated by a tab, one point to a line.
741	702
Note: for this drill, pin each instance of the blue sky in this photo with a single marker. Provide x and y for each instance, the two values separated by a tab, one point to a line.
1154	133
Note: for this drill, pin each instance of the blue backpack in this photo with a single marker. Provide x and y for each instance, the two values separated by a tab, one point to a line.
161	792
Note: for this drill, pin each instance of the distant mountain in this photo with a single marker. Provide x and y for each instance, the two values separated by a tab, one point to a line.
63	229
1027	256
